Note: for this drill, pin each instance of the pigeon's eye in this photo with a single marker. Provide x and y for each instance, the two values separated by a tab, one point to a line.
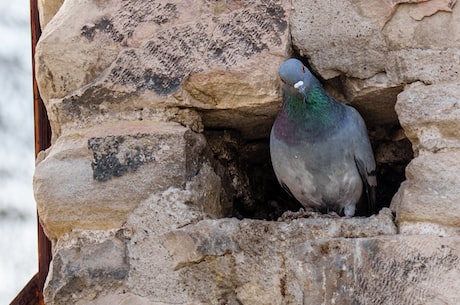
282	79
304	69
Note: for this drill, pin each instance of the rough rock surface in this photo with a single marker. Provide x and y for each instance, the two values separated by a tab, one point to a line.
176	257
86	260
148	56
436	125
427	202
47	9
160	112
430	195
388	49
94	178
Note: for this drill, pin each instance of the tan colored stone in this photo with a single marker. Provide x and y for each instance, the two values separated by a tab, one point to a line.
374	98
333	38
93	179
365	38
429	8
83	261
47	9
430	116
430	195
128	299
212	234
425	65
67	58
250	262
203	55
151	273
438	32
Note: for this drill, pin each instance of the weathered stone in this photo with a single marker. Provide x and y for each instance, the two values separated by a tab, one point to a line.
430	115
258	262
430	195
429	8
405	48
203	55
425	65
151	273
47	9
85	260
253	262
94	178
374	97
438	32
339	49
62	60
132	204
124	298
208	237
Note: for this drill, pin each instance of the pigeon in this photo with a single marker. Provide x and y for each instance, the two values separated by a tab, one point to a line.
319	147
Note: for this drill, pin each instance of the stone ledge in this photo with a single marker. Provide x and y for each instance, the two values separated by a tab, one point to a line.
194	243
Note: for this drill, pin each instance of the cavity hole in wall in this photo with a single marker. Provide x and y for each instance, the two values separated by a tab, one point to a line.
250	183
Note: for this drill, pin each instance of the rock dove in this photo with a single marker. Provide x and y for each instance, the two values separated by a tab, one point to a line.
320	150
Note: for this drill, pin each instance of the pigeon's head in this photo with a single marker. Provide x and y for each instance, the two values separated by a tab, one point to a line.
295	77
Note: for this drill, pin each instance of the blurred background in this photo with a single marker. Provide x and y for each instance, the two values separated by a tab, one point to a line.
18	224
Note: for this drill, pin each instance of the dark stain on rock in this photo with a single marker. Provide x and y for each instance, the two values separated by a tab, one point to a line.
277	15
114	156
135	12
161	84
104	26
162	63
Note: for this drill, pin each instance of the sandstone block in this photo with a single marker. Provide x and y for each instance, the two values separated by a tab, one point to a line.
252	262
430	115
121	298
214	237
47	9
151	273
427	202
365	38
426	65
377	47
85	260
94	178
339	49
148	278
210	56
374	97
407	29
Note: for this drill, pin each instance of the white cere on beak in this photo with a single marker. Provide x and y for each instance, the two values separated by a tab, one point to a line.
298	84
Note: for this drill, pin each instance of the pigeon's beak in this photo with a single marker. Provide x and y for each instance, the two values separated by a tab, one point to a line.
301	87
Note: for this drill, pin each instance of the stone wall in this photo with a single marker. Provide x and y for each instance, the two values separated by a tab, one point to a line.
158	187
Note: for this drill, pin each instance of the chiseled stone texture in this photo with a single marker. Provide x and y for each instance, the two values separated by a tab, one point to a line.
149	56
378	46
127	192
86	261
384	27
251	262
174	256
93	179
430	115
427	202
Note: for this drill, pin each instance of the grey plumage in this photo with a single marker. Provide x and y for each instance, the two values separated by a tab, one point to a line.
319	148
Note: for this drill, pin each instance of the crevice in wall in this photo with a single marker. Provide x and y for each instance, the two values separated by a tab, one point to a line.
249	181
